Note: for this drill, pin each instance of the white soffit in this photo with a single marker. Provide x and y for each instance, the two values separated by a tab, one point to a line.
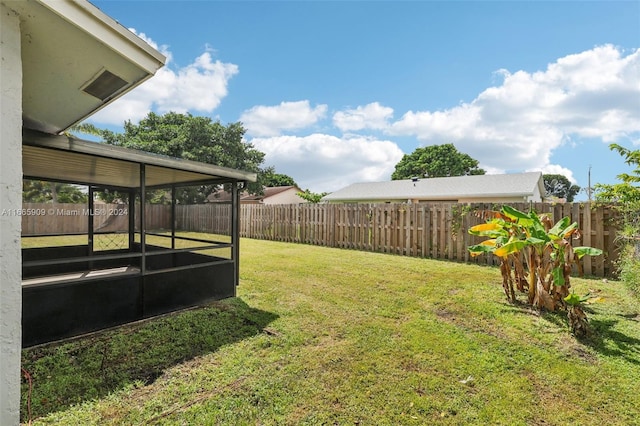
66	45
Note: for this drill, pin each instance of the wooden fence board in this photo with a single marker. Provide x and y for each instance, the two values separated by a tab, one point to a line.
586	237
426	233
599	241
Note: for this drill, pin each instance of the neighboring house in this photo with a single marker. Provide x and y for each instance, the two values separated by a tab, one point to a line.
506	188
275	195
271	195
62	61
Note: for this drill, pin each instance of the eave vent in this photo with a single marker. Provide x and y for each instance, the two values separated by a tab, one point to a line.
105	85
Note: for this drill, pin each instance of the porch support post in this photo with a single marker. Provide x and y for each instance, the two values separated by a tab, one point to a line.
143	225
90	222
235	234
173	216
132	219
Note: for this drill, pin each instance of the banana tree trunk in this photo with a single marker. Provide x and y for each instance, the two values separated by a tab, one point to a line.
532	276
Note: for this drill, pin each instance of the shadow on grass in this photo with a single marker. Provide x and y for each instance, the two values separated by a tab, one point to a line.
68	373
606	340
557	318
603	338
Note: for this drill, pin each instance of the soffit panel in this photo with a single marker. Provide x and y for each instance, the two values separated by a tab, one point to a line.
61	54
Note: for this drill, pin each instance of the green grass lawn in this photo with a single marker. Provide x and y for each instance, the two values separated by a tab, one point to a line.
119	241
328	336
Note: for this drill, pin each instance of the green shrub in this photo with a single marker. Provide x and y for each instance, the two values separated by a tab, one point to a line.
629	267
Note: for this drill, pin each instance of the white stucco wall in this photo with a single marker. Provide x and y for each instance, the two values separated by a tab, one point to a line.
496	200
538	193
10	202
290	196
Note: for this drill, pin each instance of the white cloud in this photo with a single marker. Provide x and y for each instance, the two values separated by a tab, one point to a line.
199	86
325	163
266	121
518	124
370	116
555	169
164	49
515	125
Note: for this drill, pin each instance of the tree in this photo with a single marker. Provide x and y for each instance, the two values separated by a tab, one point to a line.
436	161
537	256
38	191
311	197
191	138
625	194
560	186
270	178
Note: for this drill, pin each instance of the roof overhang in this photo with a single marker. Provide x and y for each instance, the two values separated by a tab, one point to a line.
68	159
75	61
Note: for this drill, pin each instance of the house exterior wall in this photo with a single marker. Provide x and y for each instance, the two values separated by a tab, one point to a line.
461	200
497	200
290	196
10	223
372	201
538	194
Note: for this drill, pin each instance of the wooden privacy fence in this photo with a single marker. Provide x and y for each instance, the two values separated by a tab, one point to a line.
61	218
429	230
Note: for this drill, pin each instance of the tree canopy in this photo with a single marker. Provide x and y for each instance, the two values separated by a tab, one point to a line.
560	186
270	178
312	197
628	190
436	161
191	138
38	191
626	193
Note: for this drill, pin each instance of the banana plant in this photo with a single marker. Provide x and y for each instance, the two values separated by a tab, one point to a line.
534	253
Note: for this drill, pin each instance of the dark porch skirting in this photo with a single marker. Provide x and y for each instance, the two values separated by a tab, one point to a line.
78	298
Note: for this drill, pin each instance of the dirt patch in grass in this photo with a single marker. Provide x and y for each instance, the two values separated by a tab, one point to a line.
576	350
445	314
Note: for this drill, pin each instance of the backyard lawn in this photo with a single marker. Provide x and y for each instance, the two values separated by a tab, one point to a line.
329	336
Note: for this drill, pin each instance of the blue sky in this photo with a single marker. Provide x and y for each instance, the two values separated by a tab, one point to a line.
335	92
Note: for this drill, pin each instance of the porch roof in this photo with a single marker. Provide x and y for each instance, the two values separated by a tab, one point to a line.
68	159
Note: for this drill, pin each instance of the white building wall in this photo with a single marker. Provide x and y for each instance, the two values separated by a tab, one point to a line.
496	200
537	195
10	202
290	196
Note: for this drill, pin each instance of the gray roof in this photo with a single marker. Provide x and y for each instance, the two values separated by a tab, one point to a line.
445	188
